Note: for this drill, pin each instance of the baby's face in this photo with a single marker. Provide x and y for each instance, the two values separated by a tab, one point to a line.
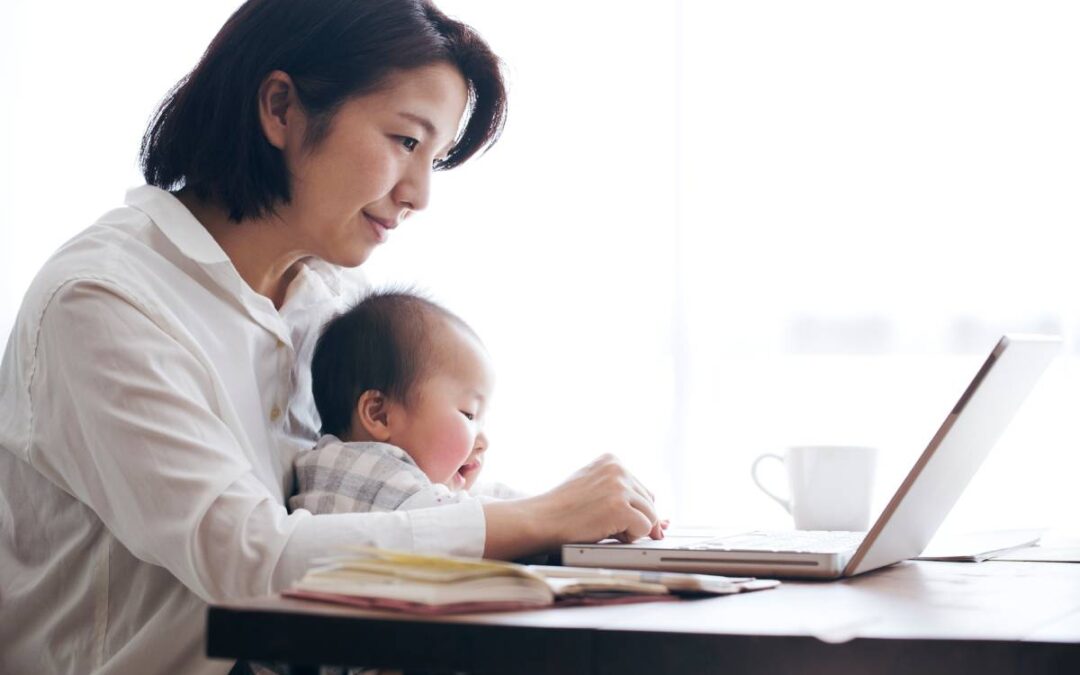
442	428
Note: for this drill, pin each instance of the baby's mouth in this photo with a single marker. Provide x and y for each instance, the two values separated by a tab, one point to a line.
467	469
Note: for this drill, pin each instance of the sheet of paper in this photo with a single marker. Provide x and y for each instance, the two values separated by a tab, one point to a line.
978	546
1042	554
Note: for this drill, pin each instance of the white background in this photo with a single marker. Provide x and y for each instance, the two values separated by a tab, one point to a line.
711	229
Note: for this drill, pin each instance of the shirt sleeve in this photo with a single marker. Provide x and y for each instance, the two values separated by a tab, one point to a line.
128	417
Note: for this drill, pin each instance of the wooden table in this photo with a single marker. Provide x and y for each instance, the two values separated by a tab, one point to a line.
915	617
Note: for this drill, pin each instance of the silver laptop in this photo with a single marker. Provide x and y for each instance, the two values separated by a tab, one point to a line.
906	525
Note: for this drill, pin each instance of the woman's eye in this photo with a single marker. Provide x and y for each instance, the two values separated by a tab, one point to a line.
468	415
409	143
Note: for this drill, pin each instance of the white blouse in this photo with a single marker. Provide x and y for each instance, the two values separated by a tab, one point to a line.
152	405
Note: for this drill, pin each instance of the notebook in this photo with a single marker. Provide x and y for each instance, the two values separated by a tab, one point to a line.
418	583
908	522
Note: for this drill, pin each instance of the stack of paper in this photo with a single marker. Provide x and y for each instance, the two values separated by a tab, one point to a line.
380	578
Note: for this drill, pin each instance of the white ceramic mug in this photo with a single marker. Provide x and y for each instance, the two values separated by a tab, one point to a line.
830	486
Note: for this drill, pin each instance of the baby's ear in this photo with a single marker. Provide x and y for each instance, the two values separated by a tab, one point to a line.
373	415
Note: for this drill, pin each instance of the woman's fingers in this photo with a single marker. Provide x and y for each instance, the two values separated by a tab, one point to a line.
630	510
658	530
640	526
645	507
647	495
644	491
601	500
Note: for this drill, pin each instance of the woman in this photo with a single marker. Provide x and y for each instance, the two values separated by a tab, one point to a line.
155	385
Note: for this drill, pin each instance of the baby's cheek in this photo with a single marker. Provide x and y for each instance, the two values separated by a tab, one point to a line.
456	444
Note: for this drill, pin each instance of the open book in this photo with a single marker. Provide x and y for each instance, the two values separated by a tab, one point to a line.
430	584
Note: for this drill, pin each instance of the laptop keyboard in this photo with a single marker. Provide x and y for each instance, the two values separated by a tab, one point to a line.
798	541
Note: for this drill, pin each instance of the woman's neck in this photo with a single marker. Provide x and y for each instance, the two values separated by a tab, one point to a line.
260	249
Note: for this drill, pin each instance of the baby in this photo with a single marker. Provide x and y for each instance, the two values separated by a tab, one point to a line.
402	386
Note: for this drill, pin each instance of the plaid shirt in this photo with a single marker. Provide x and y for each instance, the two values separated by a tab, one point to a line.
340	477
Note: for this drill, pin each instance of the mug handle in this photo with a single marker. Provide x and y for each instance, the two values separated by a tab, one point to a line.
786	503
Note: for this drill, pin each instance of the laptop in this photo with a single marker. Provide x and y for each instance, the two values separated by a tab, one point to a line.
903	529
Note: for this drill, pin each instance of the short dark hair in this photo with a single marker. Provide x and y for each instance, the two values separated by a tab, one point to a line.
206	133
383	343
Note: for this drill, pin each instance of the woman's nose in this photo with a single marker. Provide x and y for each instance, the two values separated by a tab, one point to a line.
414	188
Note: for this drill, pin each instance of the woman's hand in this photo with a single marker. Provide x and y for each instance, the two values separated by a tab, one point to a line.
601	500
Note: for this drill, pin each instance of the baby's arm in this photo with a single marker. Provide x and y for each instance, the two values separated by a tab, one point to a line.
437	494
433	494
496	490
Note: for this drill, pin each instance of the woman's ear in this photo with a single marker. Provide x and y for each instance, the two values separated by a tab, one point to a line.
278	107
373	415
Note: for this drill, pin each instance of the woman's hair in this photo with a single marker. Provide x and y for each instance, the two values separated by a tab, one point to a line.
207	136
384	342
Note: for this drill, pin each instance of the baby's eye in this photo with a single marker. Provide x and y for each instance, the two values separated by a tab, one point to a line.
468	415
409	143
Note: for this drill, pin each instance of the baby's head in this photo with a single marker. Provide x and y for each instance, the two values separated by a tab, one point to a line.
399	369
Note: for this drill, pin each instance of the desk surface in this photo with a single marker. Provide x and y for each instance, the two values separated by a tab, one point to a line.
926	617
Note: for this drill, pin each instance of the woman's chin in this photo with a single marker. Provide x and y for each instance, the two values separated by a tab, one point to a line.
349	258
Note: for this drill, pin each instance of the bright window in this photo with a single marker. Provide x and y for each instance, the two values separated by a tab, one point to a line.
711	229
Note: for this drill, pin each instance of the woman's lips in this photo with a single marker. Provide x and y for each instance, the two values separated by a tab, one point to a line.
379	226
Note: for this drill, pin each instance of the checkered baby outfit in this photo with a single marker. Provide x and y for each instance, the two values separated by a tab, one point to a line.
340	477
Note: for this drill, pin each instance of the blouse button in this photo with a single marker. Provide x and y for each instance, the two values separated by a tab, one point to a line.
275	414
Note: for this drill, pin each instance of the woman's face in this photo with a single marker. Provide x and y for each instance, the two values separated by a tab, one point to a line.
373	168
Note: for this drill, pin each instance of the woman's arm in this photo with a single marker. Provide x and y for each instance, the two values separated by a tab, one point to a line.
131	421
